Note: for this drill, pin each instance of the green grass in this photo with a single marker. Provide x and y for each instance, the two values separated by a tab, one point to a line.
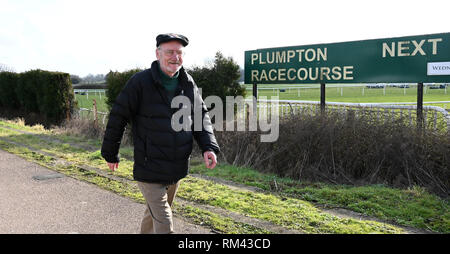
218	222
287	212
414	207
355	94
86	101
19	124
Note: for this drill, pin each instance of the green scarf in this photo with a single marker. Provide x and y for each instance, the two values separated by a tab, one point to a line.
169	83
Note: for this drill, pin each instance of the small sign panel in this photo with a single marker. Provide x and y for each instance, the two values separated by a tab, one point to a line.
438	68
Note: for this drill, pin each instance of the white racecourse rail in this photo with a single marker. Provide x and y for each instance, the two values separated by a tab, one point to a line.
388	110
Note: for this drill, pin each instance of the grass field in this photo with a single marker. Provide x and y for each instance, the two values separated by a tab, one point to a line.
86	101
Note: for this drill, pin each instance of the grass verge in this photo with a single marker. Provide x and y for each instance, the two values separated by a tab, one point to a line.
411	207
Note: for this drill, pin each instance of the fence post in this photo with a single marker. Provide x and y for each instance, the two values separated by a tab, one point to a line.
95	114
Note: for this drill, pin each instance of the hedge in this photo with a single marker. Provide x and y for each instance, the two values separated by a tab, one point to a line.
48	94
8	83
115	82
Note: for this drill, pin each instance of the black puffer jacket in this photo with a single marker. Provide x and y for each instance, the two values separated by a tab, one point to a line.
160	154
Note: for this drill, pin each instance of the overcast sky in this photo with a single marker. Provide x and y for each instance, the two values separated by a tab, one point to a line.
93	36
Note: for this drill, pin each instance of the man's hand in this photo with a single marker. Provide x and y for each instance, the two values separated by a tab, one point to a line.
208	155
113	166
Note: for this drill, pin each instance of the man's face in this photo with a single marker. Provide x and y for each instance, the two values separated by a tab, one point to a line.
170	57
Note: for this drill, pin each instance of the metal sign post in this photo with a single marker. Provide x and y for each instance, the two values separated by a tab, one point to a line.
419	105
322	97
255	100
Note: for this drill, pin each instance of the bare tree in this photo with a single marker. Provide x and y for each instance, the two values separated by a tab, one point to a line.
91	78
6	68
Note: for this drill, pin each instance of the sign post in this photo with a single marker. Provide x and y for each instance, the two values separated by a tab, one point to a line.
322	97
419	105
255	100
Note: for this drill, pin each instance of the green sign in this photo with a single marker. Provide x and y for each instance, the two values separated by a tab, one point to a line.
412	59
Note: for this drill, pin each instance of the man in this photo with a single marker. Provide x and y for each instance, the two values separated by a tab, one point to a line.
161	154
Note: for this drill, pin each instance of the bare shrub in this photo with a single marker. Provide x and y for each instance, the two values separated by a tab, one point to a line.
84	127
81	127
347	149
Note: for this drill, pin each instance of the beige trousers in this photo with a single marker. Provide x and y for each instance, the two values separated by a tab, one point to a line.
158	213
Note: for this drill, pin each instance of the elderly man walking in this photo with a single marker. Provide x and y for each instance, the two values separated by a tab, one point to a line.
161	154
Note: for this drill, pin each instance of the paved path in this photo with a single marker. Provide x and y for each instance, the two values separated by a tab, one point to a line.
33	201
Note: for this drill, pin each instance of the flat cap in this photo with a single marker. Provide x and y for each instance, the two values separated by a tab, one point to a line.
171	37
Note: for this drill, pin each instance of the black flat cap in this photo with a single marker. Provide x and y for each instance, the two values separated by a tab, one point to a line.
171	37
